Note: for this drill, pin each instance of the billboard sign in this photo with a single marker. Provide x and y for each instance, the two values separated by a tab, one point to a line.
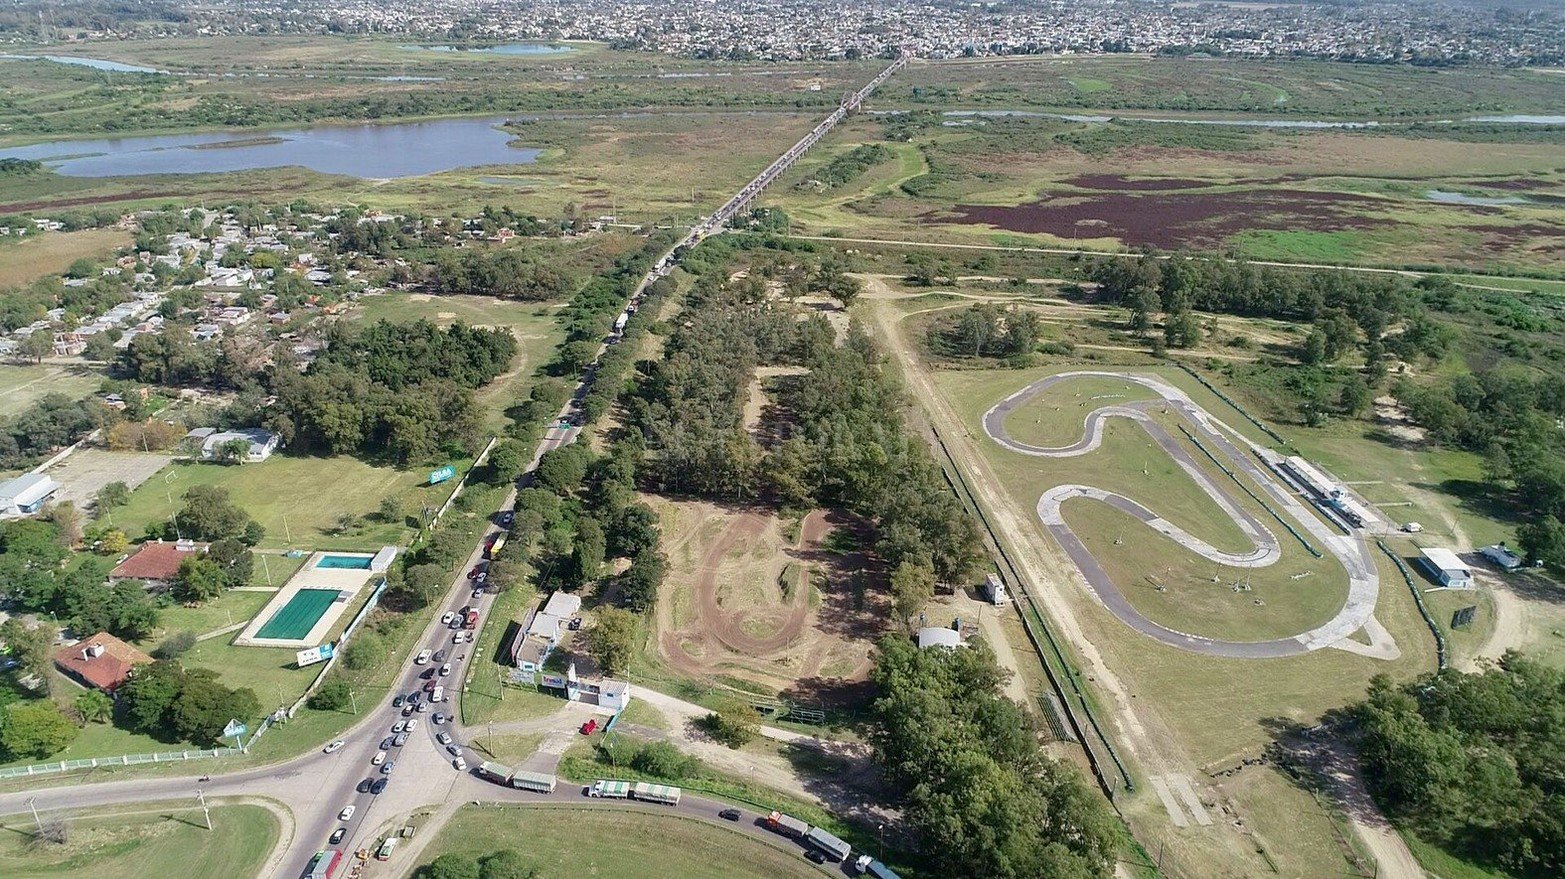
555	682
1463	617
441	475
234	729
314	655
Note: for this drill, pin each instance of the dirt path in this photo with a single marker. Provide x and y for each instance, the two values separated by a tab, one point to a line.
1512	623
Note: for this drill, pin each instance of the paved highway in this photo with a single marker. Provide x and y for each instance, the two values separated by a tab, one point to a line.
317	787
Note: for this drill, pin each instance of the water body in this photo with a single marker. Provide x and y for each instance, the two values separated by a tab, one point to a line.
502	49
405	149
1444	197
94	63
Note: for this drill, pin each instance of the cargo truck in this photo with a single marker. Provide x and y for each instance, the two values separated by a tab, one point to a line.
868	866
620	322
787	825
386	849
609	789
494	772
539	782
656	793
833	848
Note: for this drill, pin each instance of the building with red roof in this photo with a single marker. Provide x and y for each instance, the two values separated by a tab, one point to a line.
156	562
101	662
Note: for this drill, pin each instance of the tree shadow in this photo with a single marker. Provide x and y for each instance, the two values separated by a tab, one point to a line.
1480	498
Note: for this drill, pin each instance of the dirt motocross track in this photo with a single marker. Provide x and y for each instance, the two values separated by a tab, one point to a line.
749	603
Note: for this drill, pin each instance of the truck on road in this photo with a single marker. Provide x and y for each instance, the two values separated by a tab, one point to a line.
493	772
540	782
609	789
668	795
787	825
833	848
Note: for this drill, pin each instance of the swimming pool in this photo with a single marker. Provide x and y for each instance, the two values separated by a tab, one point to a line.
296	618
353	562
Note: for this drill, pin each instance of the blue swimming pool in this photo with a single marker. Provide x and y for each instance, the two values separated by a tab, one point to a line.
355	562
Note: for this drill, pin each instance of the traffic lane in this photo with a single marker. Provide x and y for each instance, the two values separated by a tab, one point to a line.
750	822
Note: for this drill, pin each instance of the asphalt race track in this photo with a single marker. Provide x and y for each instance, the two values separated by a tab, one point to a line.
1352	551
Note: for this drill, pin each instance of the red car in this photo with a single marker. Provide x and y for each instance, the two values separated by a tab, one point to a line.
590	727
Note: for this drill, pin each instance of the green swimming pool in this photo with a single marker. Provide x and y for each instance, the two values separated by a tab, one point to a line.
351	562
296	618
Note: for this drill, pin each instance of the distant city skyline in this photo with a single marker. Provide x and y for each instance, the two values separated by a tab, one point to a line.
1411	31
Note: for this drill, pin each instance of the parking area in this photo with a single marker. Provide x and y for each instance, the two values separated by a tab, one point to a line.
85	472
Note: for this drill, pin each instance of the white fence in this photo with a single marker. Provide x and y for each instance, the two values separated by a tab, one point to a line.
105	762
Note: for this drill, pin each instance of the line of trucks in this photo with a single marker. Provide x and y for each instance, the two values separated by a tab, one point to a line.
821	840
817	839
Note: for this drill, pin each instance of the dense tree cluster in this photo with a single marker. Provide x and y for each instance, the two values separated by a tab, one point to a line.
849	447
1473	761
975	788
850	165
53	421
986	330
401	391
503	864
37	574
507	273
172	703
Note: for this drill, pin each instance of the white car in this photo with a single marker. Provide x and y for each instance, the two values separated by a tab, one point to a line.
459	764
446	618
459	637
347	812
422	658
334	746
379	758
445	669
399	726
423	707
411	725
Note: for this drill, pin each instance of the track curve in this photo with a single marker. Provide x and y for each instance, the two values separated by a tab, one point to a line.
1350	551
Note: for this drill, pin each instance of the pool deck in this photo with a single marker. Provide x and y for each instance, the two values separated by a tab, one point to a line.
349	580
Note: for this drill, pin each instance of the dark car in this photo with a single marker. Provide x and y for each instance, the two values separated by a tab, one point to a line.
337	835
415	698
439	657
814	857
378	786
397	702
390	765
427	673
364	786
429	686
386	745
729	814
506	518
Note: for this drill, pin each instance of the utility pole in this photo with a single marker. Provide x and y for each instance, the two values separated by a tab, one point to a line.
205	810
352	700
32	803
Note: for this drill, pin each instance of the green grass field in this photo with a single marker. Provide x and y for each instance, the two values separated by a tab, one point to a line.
33	257
148	843
297	498
644	845
21	384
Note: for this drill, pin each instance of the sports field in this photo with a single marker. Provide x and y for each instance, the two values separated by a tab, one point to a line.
298	616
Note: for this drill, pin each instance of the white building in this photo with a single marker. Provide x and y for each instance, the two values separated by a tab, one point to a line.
262	442
994	590
25	494
938	636
1446	568
1502	557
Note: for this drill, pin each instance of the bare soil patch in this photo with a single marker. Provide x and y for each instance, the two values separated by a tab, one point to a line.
750	603
1176	220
